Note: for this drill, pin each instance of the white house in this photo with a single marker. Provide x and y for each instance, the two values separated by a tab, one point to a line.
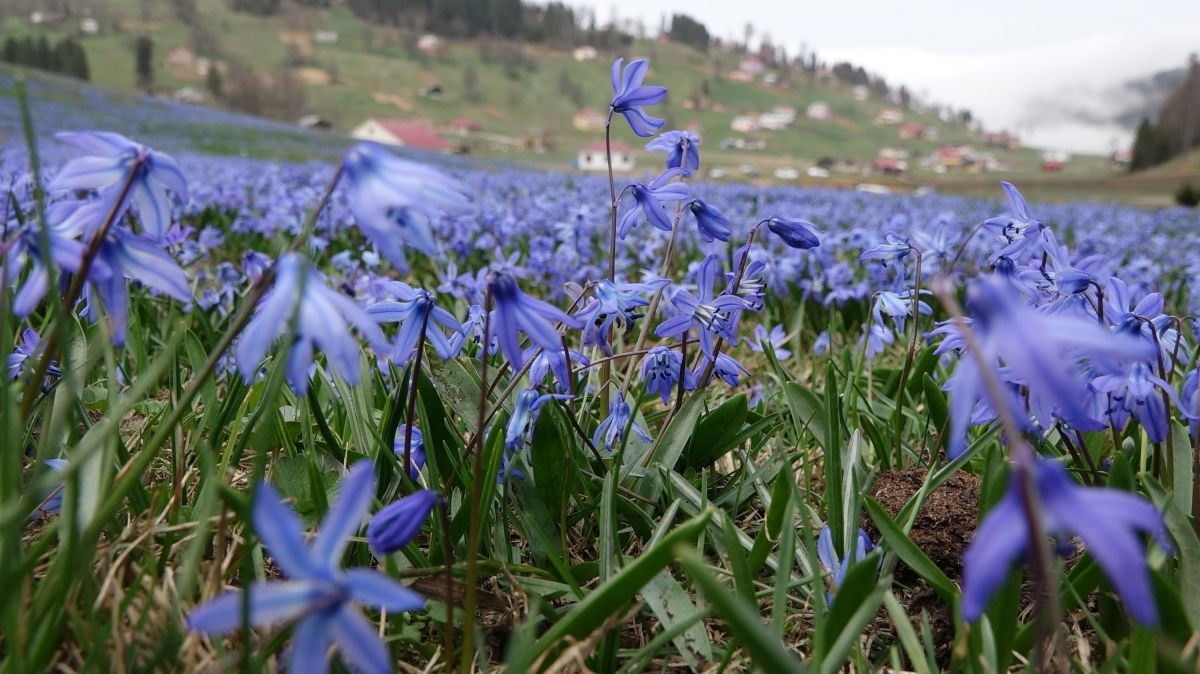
744	124
818	110
592	158
325	36
89	26
429	43
778	119
889	116
584	53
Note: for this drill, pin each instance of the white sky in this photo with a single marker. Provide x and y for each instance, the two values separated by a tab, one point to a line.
1008	61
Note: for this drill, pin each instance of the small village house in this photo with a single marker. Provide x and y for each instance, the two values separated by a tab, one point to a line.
464	126
818	110
912	131
593	158
401	133
181	62
744	124
588	119
889	116
429	43
584	53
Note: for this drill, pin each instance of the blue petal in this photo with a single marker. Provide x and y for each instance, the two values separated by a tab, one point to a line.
375	589
310	644
270	603
281	531
999	541
346	514
359	643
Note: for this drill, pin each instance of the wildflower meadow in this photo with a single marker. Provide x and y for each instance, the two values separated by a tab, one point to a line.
391	413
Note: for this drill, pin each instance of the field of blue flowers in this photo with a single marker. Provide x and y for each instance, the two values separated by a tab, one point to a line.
387	413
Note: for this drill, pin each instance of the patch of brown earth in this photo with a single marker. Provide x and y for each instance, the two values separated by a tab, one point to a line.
945	523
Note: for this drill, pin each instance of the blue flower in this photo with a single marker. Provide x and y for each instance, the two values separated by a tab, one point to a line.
898	306
24	248
524	416
1014	227
613	303
708	315
416	450
318	593
660	373
878	337
796	233
831	561
120	255
1039	350
777	338
26	351
392	200
893	248
1107	520
649	200
681	149
415	308
727	369
52	502
629	95
547	362
710	221
1191	400
610	431
517	312
1135	392
323	321
113	160
399	522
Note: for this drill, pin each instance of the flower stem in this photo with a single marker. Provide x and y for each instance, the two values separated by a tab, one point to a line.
1024	464
413	380
468	649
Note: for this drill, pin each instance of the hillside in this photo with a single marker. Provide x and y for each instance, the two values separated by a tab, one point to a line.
520	95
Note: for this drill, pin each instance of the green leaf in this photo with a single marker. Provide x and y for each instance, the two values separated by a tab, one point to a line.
672	605
855	604
896	541
607	599
1188	544
674	441
716	433
833	460
765	650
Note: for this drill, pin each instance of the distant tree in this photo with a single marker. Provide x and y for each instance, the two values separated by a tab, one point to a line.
258	7
44	56
213	82
1150	147
1187	196
686	30
904	98
71	59
144	62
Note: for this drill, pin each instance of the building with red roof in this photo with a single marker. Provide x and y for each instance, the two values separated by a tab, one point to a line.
401	132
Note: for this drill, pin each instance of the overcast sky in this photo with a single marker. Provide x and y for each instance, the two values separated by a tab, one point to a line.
1018	64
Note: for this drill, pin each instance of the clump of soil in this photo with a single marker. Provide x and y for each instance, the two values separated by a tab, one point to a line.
945	523
942	529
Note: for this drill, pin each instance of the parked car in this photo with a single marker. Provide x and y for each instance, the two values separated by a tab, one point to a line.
786	173
817	172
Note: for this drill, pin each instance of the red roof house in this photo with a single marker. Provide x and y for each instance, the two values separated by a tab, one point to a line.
402	132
